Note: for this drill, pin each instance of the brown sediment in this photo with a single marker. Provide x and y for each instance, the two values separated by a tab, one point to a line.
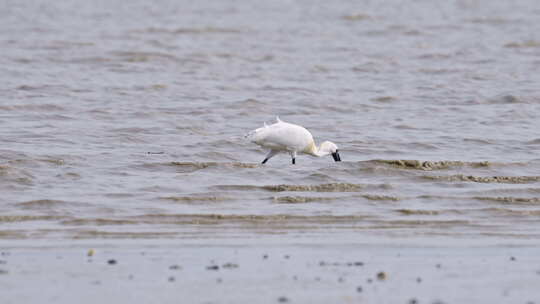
513	211
376	197
333	187
526	44
431	223
54	161
16	175
203	165
211	219
301	199
12	234
485	179
25	218
195	199
511	200
98	222
89	234
188	167
356	17
384	99
419	212
186	30
489	20
430	165
40	204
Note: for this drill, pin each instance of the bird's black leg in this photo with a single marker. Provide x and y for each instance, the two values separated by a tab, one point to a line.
270	154
293	156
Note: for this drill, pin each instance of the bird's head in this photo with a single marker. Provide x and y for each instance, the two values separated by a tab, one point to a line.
330	148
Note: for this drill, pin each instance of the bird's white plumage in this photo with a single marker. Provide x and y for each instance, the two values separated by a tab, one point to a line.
288	138
282	136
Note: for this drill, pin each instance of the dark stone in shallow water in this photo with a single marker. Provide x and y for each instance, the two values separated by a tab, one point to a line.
111	262
283	300
212	267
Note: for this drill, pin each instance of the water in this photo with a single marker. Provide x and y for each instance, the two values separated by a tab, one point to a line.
125	120
122	128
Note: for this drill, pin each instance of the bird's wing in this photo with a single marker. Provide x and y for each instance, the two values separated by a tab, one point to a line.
281	136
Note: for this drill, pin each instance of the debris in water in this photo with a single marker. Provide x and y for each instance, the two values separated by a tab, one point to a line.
283	300
90	252
212	267
229	265
381	275
111	262
175	267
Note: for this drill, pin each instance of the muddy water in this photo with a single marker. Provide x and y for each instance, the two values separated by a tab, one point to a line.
125	120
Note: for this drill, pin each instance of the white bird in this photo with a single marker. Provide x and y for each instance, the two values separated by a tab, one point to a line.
290	138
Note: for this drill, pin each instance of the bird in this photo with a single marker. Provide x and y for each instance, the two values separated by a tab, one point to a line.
284	137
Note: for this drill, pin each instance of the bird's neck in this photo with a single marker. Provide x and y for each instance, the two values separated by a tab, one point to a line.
312	149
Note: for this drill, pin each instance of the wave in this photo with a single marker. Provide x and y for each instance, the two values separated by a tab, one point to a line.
189	30
331	187
27	218
431	165
41	204
301	199
188	167
510	200
195	199
484	179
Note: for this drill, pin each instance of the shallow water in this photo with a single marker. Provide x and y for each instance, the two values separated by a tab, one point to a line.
125	120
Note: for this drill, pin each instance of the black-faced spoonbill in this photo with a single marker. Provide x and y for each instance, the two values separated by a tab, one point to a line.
290	138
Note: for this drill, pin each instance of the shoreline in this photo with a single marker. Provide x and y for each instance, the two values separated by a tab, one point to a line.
271	273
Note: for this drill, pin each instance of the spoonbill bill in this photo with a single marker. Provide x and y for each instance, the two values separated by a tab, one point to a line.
283	137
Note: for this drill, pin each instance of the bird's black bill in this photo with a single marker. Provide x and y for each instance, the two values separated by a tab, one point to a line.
336	156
